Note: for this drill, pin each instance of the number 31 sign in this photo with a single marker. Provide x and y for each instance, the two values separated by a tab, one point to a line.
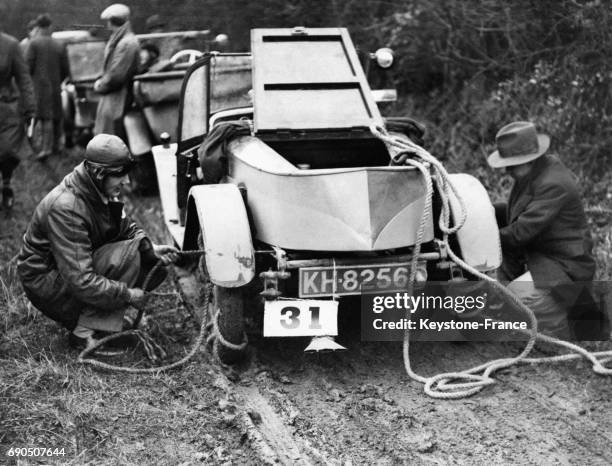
295	318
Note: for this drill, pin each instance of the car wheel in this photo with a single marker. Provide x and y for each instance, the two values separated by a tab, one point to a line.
229	303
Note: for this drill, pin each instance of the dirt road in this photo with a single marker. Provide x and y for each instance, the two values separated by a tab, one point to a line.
284	406
359	407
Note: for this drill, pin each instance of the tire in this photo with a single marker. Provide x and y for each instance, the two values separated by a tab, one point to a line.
231	305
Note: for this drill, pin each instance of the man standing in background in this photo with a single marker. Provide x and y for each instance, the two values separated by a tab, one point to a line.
48	66
30	33
13	76
120	65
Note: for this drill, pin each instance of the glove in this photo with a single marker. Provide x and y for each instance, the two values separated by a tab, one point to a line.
167	254
137	297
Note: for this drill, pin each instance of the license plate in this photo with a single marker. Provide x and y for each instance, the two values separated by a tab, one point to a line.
353	279
300	318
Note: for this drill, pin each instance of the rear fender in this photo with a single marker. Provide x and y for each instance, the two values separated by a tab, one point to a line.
479	236
219	213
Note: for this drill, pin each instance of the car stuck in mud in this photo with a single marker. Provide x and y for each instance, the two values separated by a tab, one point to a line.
280	175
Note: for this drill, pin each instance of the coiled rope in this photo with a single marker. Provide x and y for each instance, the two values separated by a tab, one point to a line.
153	350
464	383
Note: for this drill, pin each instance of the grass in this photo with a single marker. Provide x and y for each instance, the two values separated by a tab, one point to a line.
49	400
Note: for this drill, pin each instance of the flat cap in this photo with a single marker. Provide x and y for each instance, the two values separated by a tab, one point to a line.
109	151
116	10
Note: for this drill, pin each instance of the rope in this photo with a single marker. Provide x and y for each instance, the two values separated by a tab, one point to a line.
153	350
460	384
216	337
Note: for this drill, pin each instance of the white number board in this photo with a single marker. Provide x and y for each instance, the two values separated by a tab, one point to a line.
300	318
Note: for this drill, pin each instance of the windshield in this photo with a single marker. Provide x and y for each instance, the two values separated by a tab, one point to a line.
230	82
86	60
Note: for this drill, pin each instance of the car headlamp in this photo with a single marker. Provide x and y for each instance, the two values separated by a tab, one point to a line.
384	57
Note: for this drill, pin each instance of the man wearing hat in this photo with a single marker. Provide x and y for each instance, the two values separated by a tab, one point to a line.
545	239
83	260
121	57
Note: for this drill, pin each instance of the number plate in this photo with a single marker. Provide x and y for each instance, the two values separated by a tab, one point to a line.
353	279
295	318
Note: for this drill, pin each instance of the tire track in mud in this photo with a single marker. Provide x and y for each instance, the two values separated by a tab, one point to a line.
563	405
269	436
359	407
273	428
505	423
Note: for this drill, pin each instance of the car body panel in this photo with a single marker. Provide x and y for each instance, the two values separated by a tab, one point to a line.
223	222
351	209
479	237
165	168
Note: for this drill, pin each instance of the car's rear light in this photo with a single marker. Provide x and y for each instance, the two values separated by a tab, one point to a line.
271	278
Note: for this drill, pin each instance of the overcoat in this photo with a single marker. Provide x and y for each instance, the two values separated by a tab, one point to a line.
48	66
120	65
15	85
546	228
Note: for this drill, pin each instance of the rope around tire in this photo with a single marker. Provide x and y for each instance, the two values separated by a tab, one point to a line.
153	350
216	337
461	384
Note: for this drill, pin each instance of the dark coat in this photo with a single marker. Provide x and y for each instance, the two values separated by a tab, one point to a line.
544	230
546	227
120	66
67	227
15	82
48	66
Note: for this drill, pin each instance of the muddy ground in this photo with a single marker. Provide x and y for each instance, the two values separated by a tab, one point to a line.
283	406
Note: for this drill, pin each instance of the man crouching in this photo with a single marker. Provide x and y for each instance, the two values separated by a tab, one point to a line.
83	260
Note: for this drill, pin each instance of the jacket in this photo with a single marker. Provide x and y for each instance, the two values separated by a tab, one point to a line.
212	153
68	225
48	66
545	225
115	85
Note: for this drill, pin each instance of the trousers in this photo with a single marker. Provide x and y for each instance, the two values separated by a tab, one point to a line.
122	261
551	314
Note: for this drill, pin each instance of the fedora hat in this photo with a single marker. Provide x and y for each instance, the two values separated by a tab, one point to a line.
518	143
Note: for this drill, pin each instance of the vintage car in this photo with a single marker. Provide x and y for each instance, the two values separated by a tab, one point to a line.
155	108
86	58
79	102
307	208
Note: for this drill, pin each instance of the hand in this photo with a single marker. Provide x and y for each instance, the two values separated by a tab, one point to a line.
167	254
97	85
137	297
